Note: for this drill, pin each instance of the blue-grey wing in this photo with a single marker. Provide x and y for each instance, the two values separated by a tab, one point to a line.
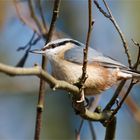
75	55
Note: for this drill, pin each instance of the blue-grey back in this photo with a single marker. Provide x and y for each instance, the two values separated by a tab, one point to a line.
75	55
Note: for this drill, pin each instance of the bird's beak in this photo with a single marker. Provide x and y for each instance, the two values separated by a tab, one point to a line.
37	51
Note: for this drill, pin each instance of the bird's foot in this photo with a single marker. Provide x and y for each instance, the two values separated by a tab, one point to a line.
82	98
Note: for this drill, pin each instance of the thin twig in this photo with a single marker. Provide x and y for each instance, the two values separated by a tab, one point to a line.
27	20
42	15
112	19
79	130
84	68
85	51
34	17
138	56
133	107
28	44
123	99
106	123
115	95
22	61
31	42
109	15
40	105
23	19
18	13
92	105
100	9
54	18
118	90
93	134
108	9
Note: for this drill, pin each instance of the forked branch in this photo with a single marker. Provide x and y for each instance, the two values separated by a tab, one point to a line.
55	84
112	19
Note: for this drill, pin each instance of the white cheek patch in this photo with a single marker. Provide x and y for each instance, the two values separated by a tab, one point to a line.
121	74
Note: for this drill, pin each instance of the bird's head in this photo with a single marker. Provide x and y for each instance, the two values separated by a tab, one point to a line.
57	46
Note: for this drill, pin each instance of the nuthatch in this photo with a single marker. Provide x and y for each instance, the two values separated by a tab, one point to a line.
66	59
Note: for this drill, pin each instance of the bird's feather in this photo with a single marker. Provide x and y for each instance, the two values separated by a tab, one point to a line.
75	55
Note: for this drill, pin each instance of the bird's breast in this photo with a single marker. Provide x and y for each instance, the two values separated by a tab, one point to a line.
99	78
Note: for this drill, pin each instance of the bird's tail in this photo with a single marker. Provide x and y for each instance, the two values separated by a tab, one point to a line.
132	74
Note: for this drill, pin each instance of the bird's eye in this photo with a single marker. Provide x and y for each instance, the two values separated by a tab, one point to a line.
53	46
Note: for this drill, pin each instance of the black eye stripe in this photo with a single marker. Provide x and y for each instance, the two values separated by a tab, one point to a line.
61	43
53	45
68	41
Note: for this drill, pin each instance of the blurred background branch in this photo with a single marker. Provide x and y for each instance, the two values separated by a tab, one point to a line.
112	19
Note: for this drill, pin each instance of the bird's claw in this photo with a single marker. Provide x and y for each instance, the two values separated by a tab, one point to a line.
82	98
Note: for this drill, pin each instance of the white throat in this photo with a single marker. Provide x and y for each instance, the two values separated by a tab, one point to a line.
57	51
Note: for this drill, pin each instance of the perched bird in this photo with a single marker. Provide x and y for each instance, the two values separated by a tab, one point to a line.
66	59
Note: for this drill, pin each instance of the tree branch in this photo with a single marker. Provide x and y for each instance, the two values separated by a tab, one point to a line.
138	55
42	15
40	105
112	19
39	72
93	133
115	95
54	18
111	129
123	98
36	20
85	51
55	84
25	21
